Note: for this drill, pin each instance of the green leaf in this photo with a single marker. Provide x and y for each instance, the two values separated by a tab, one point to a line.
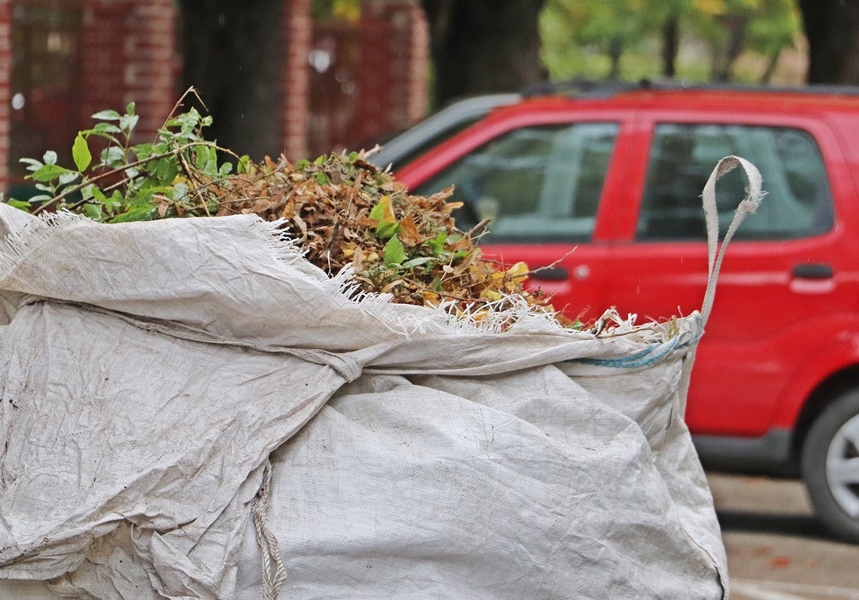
206	159
22	204
165	169
115	200
437	244
244	161
142	151
81	154
129	109
417	262
377	213
302	164
576	325
105	130
321	178
67	178
33	164
127	122
394	253
94	211
113	156
137	213
49	172
98	195
225	169
383	212
179	191
320	160
386	229
107	115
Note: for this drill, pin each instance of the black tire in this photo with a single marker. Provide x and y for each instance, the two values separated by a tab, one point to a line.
830	466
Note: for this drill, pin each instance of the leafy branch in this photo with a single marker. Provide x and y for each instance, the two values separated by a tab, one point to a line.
133	181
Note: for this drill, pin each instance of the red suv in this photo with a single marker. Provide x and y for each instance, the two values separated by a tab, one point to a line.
600	190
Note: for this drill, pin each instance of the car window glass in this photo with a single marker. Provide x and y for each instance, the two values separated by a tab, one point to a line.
396	162
535	184
797	202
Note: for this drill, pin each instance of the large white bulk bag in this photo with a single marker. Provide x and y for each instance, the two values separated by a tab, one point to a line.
191	410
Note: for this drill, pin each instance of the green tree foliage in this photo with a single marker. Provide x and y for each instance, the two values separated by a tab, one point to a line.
341	10
633	39
731	27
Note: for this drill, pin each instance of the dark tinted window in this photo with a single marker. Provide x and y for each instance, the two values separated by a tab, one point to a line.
797	202
536	184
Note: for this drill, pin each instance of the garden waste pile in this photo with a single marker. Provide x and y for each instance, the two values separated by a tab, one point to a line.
294	407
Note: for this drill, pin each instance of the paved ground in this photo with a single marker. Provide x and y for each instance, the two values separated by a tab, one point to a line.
776	550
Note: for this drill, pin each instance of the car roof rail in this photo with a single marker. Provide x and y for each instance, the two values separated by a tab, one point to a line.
581	87
595	88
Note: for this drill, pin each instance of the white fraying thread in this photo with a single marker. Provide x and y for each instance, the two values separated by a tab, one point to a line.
279	240
23	241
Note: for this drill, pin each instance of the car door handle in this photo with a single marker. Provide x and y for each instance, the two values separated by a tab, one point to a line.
813	271
550	274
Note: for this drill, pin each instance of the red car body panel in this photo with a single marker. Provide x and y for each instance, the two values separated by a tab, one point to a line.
775	333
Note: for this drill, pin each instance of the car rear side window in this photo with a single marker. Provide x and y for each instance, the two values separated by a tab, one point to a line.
798	202
534	184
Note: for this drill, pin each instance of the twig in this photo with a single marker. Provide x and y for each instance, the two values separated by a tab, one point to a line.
477	230
554	264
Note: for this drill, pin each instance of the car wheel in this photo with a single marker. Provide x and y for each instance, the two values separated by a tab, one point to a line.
830	466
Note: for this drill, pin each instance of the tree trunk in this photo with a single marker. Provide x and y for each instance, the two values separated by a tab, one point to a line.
615	52
232	55
483	46
736	28
832	29
772	63
670	46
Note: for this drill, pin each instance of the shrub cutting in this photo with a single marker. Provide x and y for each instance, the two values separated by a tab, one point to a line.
342	211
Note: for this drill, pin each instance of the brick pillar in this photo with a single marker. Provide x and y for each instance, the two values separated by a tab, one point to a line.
298	36
408	56
128	54
5	88
151	57
416	76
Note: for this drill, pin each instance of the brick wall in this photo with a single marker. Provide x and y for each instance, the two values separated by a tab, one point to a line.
128	54
407	57
5	91
372	81
298	33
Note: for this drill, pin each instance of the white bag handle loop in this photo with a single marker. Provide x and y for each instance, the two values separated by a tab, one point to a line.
749	204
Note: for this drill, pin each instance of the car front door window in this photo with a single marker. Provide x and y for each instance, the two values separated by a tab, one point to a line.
534	184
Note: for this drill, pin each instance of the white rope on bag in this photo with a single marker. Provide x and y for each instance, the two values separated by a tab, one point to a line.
273	571
749	204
